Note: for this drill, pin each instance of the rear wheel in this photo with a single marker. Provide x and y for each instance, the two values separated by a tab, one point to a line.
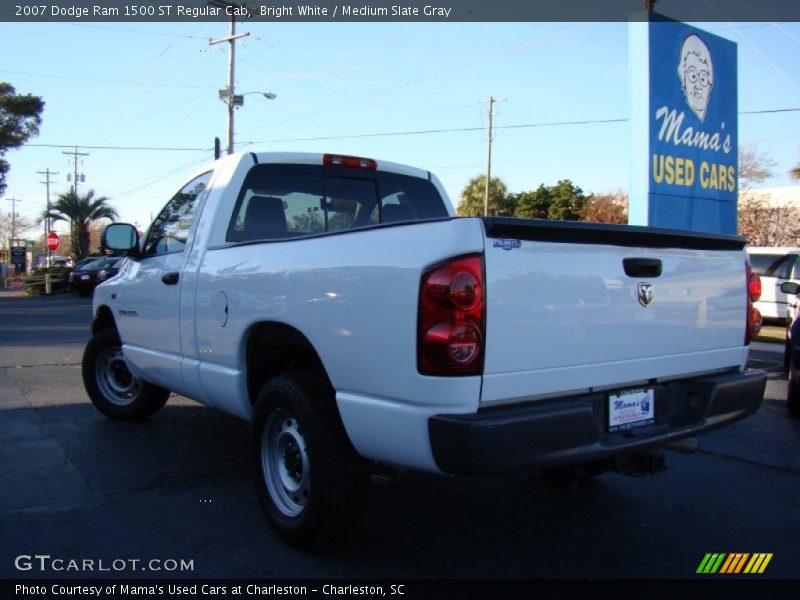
310	482
111	386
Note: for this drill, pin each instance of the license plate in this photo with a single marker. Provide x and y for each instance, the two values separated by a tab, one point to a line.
84	277
630	409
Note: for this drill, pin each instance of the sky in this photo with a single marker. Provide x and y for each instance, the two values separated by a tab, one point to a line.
134	85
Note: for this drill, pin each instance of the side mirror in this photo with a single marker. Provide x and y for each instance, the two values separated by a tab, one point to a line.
121	237
789	287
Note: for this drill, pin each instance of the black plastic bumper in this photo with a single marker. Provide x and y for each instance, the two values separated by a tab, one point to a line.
573	430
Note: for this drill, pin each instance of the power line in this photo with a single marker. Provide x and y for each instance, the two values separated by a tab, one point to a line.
390	133
143	32
465	129
98	80
147	148
770	111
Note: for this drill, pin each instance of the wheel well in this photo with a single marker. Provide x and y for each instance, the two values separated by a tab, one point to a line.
103	319
276	348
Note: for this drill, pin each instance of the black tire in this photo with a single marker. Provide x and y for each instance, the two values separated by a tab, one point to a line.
793	397
310	482
111	386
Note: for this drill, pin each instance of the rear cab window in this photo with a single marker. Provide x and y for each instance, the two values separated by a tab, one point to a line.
279	201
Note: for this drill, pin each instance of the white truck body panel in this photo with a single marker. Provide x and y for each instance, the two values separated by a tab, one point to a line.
564	316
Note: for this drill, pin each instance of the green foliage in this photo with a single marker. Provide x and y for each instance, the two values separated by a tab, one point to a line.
535	204
562	202
567	203
20	118
81	212
34	281
473	198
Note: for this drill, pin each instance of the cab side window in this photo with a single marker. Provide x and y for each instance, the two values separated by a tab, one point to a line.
170	231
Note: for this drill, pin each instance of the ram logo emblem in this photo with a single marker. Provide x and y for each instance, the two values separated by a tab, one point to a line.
645	294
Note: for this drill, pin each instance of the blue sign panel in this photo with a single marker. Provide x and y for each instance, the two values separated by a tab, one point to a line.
691	127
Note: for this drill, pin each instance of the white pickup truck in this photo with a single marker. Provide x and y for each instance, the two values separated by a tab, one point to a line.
338	305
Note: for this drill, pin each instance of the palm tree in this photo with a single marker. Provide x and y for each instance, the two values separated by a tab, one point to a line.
795	172
81	212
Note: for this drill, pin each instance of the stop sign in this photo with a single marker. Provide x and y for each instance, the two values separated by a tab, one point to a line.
17	284
52	240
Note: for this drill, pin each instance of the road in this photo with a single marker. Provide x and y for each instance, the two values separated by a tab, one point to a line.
77	485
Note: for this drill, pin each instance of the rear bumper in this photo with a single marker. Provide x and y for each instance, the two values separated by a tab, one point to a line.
573	430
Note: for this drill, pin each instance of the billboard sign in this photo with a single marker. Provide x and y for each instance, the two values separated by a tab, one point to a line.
685	124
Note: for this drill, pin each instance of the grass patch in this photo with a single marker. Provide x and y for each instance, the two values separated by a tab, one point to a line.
773	334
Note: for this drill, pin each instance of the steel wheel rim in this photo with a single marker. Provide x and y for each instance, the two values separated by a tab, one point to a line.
116	382
284	462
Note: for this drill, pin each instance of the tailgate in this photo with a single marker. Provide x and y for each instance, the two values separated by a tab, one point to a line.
573	307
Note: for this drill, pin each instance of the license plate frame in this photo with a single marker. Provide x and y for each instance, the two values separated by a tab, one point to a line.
630	409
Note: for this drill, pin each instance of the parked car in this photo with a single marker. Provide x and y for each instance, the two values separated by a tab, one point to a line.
775	266
792	355
61	261
88	275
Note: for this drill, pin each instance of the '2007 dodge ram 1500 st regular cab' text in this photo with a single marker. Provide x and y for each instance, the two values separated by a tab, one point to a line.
338	305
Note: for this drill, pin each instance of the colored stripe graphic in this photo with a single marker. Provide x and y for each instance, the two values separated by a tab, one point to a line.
734	563
711	563
758	563
729	564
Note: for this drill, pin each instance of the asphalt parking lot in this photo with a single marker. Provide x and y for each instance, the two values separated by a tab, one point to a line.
77	485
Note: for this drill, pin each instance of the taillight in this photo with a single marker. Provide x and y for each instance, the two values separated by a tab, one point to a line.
753	324
355	162
450	334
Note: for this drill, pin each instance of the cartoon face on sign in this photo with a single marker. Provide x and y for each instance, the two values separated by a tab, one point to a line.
696	72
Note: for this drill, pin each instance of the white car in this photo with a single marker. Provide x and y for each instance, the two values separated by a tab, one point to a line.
776	266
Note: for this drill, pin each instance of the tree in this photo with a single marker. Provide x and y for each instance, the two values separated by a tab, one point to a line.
561	202
607	208
81	212
764	224
20	117
795	173
21	225
501	204
754	166
568	202
535	204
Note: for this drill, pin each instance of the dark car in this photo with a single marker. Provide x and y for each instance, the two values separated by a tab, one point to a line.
792	356
87	276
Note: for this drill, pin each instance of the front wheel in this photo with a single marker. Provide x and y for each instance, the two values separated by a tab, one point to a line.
310	482
111	386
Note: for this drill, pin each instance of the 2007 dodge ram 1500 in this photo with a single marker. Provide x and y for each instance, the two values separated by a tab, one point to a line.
337	304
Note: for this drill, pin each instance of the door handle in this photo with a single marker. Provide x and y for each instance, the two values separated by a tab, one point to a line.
642	267
170	278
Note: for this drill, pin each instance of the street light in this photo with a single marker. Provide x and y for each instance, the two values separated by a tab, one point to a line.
238	99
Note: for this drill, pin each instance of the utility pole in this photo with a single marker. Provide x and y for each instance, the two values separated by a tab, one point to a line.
13	219
229	92
490	137
75	154
47	172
